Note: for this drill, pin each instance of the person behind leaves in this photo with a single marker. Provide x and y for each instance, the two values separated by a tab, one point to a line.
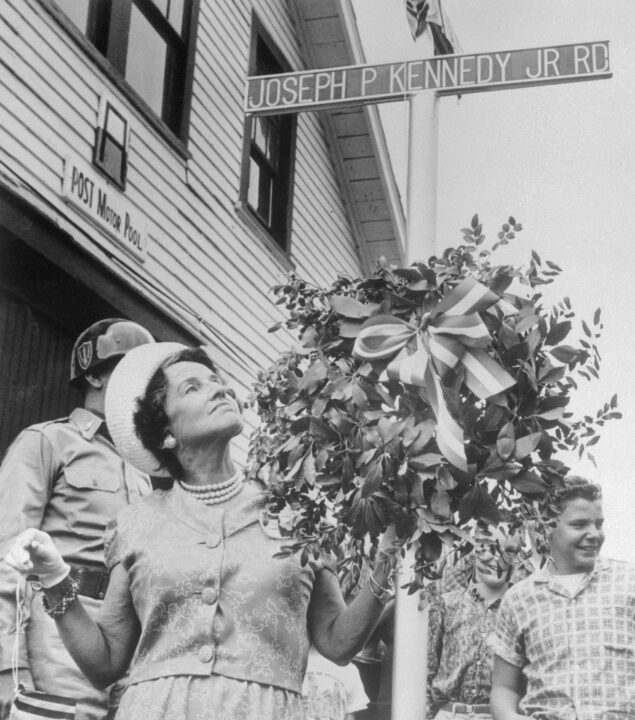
568	630
460	621
66	478
330	691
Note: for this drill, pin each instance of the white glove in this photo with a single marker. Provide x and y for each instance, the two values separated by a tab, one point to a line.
33	553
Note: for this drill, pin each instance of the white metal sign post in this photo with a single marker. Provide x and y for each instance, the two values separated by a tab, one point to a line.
444	75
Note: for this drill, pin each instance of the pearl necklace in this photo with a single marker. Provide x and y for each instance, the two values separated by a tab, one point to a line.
215	493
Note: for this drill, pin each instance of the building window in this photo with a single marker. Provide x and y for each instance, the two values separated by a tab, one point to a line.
269	150
150	43
111	145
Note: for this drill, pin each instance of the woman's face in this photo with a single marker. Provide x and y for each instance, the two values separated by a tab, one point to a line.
198	405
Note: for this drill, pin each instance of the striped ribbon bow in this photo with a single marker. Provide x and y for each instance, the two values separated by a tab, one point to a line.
450	334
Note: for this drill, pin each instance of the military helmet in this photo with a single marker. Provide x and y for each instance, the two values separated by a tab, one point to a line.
104	340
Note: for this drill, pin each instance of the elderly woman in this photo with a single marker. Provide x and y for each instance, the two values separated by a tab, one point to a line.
210	624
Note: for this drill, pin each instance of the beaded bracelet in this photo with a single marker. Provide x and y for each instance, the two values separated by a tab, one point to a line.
381	593
68	598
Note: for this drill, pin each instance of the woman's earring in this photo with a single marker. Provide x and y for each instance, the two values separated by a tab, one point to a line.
169	443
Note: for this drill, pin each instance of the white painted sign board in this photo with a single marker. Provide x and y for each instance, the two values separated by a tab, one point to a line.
446	74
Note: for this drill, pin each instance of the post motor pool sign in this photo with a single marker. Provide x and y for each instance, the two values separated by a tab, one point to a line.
447	74
105	206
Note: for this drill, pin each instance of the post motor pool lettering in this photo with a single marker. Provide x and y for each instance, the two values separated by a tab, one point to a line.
96	202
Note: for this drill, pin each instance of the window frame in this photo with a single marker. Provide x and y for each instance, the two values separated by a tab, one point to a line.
102	136
112	64
280	234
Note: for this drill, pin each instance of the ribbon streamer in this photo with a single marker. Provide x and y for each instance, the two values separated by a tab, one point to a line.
452	333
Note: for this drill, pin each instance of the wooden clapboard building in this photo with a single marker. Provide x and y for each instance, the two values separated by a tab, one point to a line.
131	183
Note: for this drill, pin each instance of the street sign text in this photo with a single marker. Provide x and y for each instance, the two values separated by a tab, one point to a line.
447	74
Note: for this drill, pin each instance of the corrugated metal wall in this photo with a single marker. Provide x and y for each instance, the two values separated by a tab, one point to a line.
34	366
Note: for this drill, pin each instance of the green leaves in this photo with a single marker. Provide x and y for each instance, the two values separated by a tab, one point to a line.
477	502
349	307
558	333
345	449
313	377
525	445
565	353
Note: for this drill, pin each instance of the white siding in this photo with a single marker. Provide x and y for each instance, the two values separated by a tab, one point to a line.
201	252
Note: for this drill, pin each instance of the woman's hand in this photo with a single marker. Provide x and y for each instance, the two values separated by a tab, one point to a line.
388	556
33	553
388	542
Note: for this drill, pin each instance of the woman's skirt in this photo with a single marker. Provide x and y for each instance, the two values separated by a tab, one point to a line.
183	697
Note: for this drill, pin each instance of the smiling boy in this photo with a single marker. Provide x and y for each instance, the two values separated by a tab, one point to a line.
567	633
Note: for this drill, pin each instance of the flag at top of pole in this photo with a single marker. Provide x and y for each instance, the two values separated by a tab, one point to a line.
428	14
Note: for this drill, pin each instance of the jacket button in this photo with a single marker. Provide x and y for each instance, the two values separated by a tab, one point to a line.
209	595
213	540
206	653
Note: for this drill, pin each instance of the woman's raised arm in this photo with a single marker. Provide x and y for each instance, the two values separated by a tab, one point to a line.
101	649
339	631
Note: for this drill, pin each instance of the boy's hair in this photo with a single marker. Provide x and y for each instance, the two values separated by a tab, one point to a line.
576	487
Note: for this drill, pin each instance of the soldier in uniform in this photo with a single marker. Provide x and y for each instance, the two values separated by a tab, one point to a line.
66	478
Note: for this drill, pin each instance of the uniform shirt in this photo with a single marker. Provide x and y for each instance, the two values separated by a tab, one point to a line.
577	650
65	478
208	593
459	657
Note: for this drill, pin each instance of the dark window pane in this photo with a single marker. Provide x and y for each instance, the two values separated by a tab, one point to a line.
266	61
148	41
145	62
76	11
113	159
270	140
265	204
265	135
110	149
273	143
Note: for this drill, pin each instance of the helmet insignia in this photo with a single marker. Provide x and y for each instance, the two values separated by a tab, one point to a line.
85	354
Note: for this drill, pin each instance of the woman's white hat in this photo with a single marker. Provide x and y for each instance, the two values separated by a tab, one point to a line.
128	384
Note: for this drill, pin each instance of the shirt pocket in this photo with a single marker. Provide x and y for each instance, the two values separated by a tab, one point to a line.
88	478
617	629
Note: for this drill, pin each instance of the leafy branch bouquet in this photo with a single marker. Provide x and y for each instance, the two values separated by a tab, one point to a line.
423	397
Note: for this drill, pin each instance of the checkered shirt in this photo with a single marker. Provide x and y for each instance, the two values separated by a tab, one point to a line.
577	650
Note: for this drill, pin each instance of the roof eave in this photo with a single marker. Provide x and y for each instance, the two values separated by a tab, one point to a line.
328	33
